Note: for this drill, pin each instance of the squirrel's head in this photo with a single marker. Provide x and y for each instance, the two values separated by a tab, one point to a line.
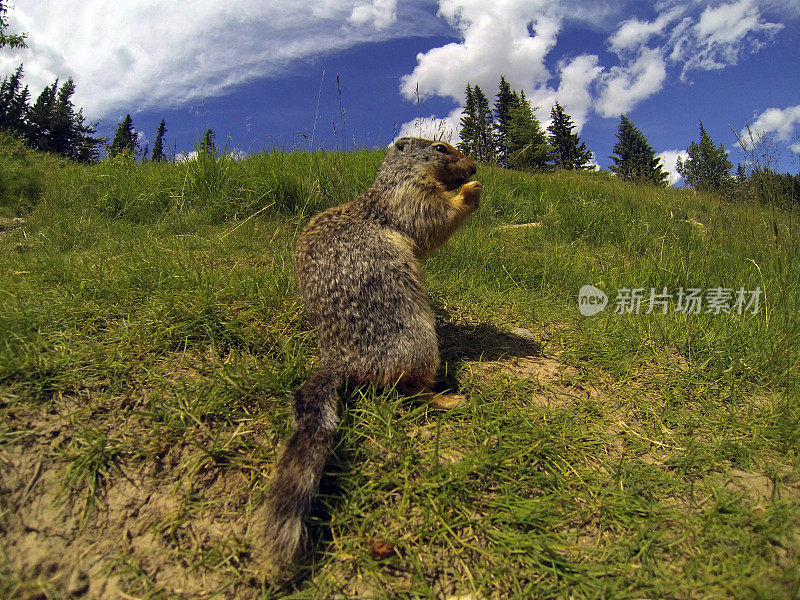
439	160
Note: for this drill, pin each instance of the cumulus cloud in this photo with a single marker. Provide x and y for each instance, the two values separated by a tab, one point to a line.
781	122
434	128
574	92
381	13
714	38
623	87
515	38
576	78
669	160
634	32
729	23
511	37
126	56
130	55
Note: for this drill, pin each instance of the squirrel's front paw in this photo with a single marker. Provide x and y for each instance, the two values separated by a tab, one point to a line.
471	193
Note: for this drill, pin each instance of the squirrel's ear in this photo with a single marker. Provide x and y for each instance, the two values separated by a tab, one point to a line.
401	144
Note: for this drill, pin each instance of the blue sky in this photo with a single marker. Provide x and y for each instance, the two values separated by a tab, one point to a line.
264	74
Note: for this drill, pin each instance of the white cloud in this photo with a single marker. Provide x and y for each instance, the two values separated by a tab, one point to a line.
515	37
712	38
381	13
722	35
434	128
186	156
624	87
781	122
497	40
573	93
728	23
669	160
512	38
577	77
633	32
125	55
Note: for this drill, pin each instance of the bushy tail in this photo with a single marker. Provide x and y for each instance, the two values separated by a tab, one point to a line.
297	472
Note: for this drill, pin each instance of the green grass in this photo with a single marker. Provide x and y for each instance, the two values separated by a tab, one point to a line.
151	338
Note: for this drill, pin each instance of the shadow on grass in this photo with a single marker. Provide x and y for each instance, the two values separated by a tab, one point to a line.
459	343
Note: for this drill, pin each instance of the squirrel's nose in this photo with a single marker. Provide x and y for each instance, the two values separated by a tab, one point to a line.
473	169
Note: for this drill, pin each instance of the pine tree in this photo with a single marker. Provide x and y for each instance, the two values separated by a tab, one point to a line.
69	135
708	166
86	147
505	102
158	146
124	141
477	127
63	135
40	119
468	132
635	159
568	151
741	173
485	144
13	103
526	142
12	40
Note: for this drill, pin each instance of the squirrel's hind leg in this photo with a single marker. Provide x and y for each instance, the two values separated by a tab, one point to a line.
420	387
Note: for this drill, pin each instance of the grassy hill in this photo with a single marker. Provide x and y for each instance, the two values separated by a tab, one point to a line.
151	338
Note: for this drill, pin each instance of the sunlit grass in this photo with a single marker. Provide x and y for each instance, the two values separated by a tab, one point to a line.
151	336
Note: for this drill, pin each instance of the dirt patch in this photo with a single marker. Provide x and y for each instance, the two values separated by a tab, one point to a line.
556	383
9	224
174	522
758	487
518	226
540	369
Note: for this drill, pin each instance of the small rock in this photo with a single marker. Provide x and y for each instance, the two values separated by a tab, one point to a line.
525	334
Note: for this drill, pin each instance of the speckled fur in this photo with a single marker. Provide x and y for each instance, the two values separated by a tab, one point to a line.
359	271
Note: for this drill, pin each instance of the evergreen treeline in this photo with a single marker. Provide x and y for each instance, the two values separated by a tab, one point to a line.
511	136
765	185
51	124
507	134
707	167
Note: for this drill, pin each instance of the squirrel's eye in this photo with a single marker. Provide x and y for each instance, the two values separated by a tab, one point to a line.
440	148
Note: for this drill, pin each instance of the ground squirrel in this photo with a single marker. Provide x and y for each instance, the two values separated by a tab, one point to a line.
358	267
